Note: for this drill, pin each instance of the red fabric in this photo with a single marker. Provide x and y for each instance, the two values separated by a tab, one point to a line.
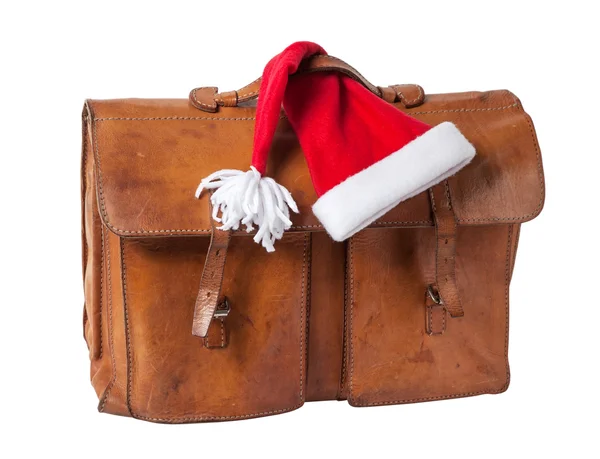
364	155
272	88
342	127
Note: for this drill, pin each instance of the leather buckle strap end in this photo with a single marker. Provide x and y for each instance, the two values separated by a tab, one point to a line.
445	286
211	283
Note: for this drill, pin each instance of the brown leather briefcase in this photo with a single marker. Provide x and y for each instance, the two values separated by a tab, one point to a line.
413	308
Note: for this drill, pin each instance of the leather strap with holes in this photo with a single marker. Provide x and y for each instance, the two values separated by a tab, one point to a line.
211	283
445	258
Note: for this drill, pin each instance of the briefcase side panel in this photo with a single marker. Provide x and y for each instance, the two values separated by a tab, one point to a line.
103	318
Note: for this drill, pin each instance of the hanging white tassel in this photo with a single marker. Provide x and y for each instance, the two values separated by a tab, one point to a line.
246	198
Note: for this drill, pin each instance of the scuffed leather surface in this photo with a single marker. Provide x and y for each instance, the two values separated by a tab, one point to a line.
151	155
326	319
367	320
391	357
211	282
445	250
173	377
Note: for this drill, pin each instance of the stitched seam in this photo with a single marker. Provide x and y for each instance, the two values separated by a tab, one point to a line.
220	118
83	193
127	330
344	337
101	289
99	172
443	320
213	418
464	394
208	344
119	230
180	118
430	316
419	96
447	191
502	219
351	324
110	329
432	203
457	110
222	334
401	95
428	399
514	251
431	329
308	304
427	222
303	318
506	303
122	231
249	94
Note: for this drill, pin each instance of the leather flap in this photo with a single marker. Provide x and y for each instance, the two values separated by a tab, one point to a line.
150	156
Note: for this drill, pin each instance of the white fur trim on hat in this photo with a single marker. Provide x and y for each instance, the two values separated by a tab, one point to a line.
364	197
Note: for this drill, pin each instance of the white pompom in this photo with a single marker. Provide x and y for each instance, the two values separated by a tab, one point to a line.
246	198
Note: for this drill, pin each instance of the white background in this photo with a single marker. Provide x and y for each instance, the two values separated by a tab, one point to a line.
55	54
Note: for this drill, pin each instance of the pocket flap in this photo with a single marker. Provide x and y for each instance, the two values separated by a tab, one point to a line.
152	154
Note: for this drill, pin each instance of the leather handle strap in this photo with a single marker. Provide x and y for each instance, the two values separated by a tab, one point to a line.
211	283
445	264
325	63
208	99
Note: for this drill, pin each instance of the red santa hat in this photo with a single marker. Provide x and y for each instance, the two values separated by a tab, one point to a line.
364	155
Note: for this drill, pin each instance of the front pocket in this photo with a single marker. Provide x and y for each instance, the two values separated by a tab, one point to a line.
392	358
172	376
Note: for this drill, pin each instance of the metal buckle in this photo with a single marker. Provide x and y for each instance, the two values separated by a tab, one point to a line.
223	309
434	294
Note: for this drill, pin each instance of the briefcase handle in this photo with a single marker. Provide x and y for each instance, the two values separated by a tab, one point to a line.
208	99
